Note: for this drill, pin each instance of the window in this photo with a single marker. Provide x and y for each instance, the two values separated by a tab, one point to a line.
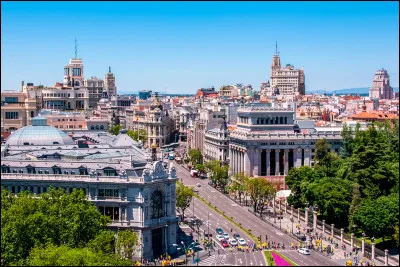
156	205
11	99
12	115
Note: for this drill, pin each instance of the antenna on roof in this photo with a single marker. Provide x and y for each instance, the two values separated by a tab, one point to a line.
276	48
76	49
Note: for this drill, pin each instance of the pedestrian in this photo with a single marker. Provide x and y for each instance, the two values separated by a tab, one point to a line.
344	253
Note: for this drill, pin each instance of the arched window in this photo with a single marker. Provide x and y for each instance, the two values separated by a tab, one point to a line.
101	127
156	205
97	127
76	83
92	127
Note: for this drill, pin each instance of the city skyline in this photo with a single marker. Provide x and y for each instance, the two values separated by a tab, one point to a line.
180	47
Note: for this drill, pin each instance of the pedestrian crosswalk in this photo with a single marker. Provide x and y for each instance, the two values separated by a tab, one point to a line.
208	262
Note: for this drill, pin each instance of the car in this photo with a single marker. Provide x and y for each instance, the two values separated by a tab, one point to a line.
198	185
224	243
242	242
304	251
220	237
236	236
301	237
226	235
219	231
233	242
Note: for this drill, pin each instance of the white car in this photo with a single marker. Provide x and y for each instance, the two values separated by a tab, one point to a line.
198	185
304	251
226	236
242	242
233	242
220	237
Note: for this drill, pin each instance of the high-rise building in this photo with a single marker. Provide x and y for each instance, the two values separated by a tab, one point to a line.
95	88
109	84
287	80
381	88
73	73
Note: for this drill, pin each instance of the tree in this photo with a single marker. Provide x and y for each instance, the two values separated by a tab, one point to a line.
239	184
104	242
126	243
195	156
355	202
220	176
378	217
55	217
211	166
322	148
347	141
114	130
52	255
260	191
142	135
184	195
200	168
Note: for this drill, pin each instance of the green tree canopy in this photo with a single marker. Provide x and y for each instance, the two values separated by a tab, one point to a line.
135	135
104	242
114	130
127	241
378	217
260	191
53	255
184	195
239	184
195	156
54	217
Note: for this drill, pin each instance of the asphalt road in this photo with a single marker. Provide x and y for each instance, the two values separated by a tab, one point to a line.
241	215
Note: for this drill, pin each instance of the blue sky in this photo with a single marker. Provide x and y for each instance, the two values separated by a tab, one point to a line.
179	47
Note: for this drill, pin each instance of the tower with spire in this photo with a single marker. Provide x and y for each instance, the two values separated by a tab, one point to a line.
73	72
276	61
109	83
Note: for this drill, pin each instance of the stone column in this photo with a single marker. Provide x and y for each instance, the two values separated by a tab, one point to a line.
341	235
268	151
255	161
373	251
315	220
120	214
276	161
291	210
323	227
306	216
351	241
307	160
362	246
286	162
235	166
386	257
230	161
240	161
246	163
332	227
298	214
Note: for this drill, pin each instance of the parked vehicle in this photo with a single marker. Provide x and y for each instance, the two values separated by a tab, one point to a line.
171	156
219	231
226	235
233	242
220	237
178	160
193	173
224	243
198	185
242	242
304	251
236	236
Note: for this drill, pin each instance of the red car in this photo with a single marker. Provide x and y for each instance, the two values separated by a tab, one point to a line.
224	243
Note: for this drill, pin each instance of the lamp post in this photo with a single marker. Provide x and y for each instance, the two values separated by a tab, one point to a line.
166	242
306	213
280	218
208	233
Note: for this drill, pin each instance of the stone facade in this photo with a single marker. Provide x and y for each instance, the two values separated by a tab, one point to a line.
381	88
266	142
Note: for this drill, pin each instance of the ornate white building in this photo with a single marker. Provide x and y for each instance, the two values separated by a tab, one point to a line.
114	172
267	142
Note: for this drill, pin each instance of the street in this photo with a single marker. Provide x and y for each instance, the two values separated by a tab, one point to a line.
248	221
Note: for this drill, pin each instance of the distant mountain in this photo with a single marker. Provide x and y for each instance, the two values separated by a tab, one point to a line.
360	90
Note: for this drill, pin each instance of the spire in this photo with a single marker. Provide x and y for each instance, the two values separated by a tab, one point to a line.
76	49
276	48
109	69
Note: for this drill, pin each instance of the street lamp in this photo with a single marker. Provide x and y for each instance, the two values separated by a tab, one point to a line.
166	242
291	219
208	233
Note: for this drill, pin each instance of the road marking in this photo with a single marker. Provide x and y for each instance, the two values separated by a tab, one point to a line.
213	191
251	263
225	222
279	233
209	261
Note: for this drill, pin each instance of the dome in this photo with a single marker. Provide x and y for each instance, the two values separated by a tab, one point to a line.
39	134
